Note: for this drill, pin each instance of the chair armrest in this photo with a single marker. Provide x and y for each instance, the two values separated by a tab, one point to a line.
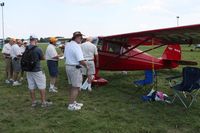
174	77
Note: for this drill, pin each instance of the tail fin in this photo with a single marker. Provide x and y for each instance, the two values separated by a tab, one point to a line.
172	57
172	52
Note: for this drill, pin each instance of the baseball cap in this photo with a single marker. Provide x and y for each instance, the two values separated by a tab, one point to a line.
53	40
33	37
25	42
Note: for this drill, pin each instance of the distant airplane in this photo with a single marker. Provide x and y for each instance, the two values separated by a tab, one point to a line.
196	46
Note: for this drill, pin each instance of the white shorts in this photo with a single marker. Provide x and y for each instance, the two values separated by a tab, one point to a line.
91	68
74	76
36	80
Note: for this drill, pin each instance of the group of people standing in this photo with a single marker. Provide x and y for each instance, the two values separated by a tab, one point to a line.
12	52
79	58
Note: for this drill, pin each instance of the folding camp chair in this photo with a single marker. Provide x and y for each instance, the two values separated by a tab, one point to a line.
149	79
189	86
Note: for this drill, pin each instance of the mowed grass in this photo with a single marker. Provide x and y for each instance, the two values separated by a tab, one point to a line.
114	108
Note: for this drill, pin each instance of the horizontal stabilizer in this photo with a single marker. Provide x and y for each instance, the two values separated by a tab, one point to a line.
181	62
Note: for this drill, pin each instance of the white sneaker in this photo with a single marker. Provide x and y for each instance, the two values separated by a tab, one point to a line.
73	107
7	81
89	87
16	83
35	103
78	104
52	90
46	104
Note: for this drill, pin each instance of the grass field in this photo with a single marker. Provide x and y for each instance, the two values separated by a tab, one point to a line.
114	108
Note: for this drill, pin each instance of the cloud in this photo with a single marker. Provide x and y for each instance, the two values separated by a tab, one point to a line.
153	6
93	2
113	1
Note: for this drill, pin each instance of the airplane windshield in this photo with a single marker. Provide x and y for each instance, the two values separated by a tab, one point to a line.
100	45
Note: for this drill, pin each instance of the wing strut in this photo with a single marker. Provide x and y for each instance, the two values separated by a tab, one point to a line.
147	50
155	84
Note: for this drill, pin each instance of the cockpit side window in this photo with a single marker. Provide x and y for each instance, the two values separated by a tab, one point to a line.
114	48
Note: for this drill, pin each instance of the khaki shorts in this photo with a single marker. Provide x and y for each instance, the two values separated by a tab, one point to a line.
74	76
91	68
8	67
36	80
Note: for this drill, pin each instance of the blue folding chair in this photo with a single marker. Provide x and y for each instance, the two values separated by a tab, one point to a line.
149	79
189	86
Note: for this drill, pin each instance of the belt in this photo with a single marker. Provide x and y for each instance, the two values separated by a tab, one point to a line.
71	65
76	66
15	58
53	60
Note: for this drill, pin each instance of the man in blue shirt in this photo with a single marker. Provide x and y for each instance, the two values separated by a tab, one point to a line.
36	78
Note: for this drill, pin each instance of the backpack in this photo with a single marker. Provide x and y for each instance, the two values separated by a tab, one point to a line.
28	61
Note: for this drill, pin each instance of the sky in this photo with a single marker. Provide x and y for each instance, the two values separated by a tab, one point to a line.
45	18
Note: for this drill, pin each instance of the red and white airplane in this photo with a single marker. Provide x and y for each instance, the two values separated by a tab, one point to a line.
121	53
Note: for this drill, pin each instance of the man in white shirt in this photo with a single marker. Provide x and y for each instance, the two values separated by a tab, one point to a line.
90	53
52	58
8	61
23	46
74	59
16	62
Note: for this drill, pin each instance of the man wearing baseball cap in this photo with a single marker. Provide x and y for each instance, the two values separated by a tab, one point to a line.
74	59
35	77
52	58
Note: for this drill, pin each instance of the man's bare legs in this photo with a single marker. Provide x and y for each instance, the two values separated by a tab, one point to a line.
90	79
74	91
15	76
43	96
52	82
70	88
32	93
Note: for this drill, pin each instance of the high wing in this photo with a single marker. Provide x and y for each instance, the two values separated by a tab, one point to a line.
177	35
